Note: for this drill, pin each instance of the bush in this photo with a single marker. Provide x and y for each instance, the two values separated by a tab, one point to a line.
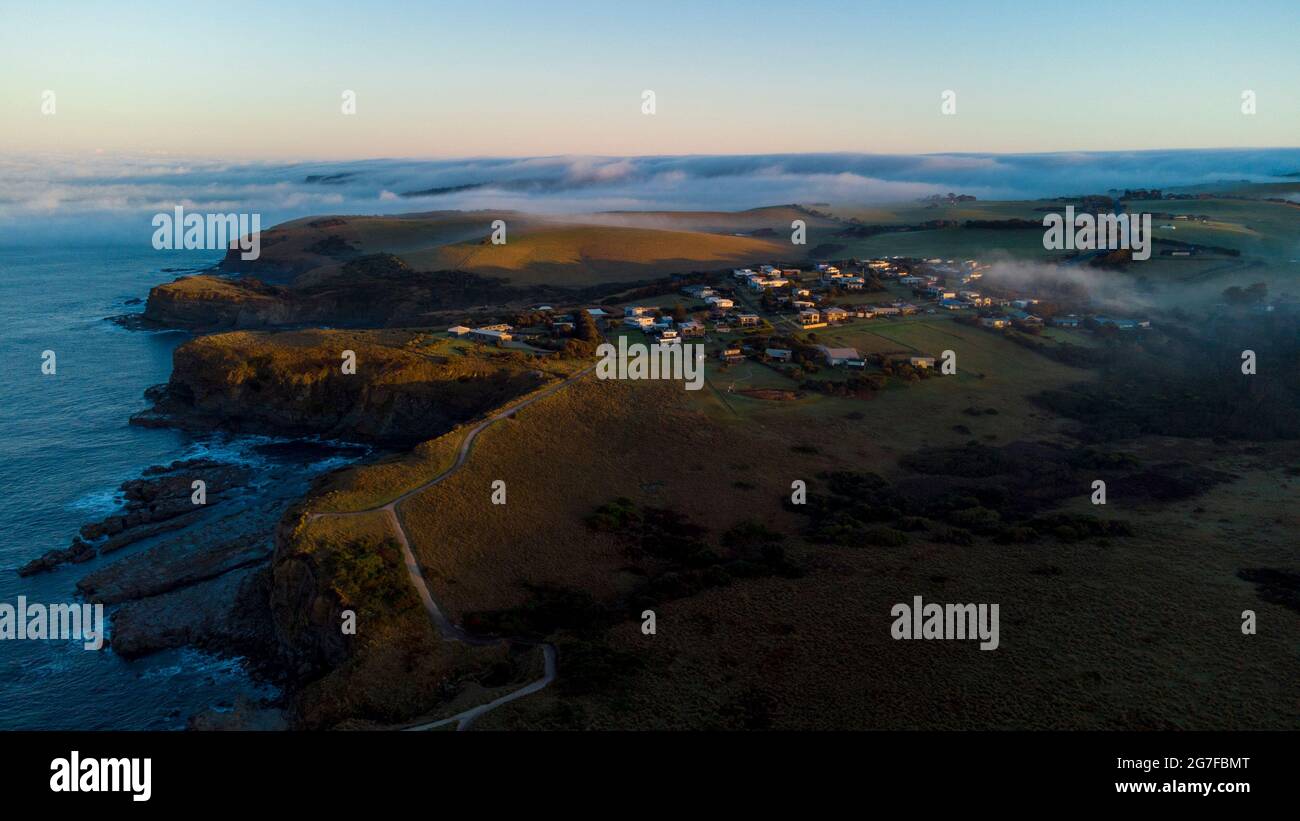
884	537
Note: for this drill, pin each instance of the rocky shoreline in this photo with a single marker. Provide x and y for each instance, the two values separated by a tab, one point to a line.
229	576
158	502
199	575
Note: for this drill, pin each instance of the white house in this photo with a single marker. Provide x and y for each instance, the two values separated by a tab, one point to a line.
489	335
840	356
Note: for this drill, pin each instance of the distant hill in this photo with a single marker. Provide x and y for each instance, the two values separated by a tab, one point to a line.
563	252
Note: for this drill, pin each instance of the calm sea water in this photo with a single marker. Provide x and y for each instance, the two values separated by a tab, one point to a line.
65	446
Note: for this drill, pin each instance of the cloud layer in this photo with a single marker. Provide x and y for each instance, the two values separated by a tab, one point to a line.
100	197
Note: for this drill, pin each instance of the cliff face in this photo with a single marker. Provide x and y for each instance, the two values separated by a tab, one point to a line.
333	574
207	303
306	607
291	383
369	292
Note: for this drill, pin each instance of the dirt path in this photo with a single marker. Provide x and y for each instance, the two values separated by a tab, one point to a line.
445	627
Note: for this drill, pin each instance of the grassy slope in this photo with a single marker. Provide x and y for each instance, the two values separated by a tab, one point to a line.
566	252
818	646
586	255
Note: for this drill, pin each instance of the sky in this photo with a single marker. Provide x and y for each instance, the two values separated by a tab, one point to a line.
243	81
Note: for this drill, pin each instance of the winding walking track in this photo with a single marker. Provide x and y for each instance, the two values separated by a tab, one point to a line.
446	628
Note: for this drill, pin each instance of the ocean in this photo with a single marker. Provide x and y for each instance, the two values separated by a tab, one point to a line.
65	447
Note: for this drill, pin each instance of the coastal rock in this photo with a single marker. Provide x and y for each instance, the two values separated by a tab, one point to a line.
227	614
199	555
158	502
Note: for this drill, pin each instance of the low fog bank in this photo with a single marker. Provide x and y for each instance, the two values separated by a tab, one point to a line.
112	198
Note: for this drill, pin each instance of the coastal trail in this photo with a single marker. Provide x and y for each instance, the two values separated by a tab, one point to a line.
445	626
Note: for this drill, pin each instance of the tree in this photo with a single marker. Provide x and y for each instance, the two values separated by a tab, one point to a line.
585	328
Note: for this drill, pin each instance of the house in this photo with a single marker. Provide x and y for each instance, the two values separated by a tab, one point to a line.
994	321
1025	317
952	304
741	273
779	354
698	291
921	361
1124	324
638	322
760	283
722	328
840	356
810	318
862	312
906	308
458	330
748	320
886	310
834	314
1068	321
691	328
910	279
637	310
731	354
491	336
597	313
669	336
503	328
562	325
720	302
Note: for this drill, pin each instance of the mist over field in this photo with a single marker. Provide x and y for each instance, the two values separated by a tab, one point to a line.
103	197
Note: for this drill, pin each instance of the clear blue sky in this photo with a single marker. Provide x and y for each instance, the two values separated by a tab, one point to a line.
253	80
